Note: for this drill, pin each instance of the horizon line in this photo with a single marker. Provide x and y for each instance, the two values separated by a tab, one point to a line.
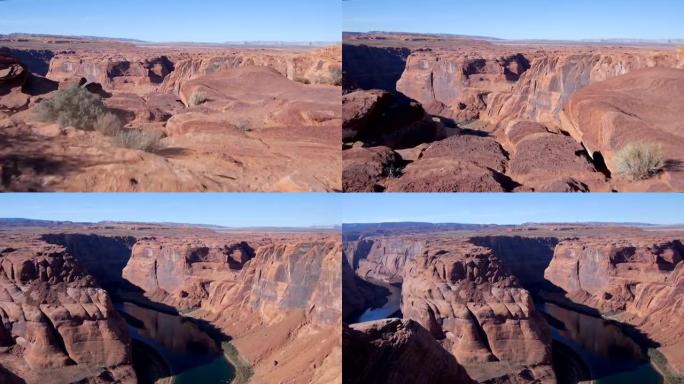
483	37
516	224
311	226
137	40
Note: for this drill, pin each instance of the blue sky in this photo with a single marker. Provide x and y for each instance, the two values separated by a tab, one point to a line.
307	209
500	208
228	209
175	20
521	19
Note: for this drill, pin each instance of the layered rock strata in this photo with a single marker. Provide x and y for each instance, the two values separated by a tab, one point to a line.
478	311
280	301
636	280
58	325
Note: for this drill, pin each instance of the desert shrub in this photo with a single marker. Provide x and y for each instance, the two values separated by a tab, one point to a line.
138	139
243	125
336	77
639	160
72	107
243	370
197	98
660	362
108	124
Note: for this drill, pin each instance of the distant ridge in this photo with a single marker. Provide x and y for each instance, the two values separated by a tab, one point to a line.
598	41
22	222
256	43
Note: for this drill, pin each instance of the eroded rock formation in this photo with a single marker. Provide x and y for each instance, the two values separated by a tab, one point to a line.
636	280
252	119
473	293
58	325
279	300
275	296
468	301
553	108
384	351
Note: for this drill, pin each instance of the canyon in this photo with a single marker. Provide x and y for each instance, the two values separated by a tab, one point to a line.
227	118
533	303
154	303
440	113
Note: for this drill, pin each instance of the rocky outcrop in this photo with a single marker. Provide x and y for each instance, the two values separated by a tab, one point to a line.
377	118
262	118
57	324
251	97
261	131
387	351
366	169
466	299
13	75
640	107
514	94
458	164
636	280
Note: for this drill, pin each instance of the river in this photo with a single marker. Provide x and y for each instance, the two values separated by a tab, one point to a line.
585	348
592	348
173	347
392	305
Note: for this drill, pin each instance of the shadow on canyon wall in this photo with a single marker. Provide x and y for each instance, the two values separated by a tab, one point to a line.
367	67
105	257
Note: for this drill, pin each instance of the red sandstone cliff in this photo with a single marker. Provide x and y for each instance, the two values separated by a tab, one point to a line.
57	325
469	301
636	280
279	300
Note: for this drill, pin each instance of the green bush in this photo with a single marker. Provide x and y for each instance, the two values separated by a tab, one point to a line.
660	362
336	77
197	98
108	124
138	139
639	161
72	107
243	370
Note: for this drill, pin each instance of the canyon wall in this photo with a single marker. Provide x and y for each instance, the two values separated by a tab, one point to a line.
635	280
57	325
367	67
104	257
510	84
137	71
382	259
525	257
280	300
468	301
